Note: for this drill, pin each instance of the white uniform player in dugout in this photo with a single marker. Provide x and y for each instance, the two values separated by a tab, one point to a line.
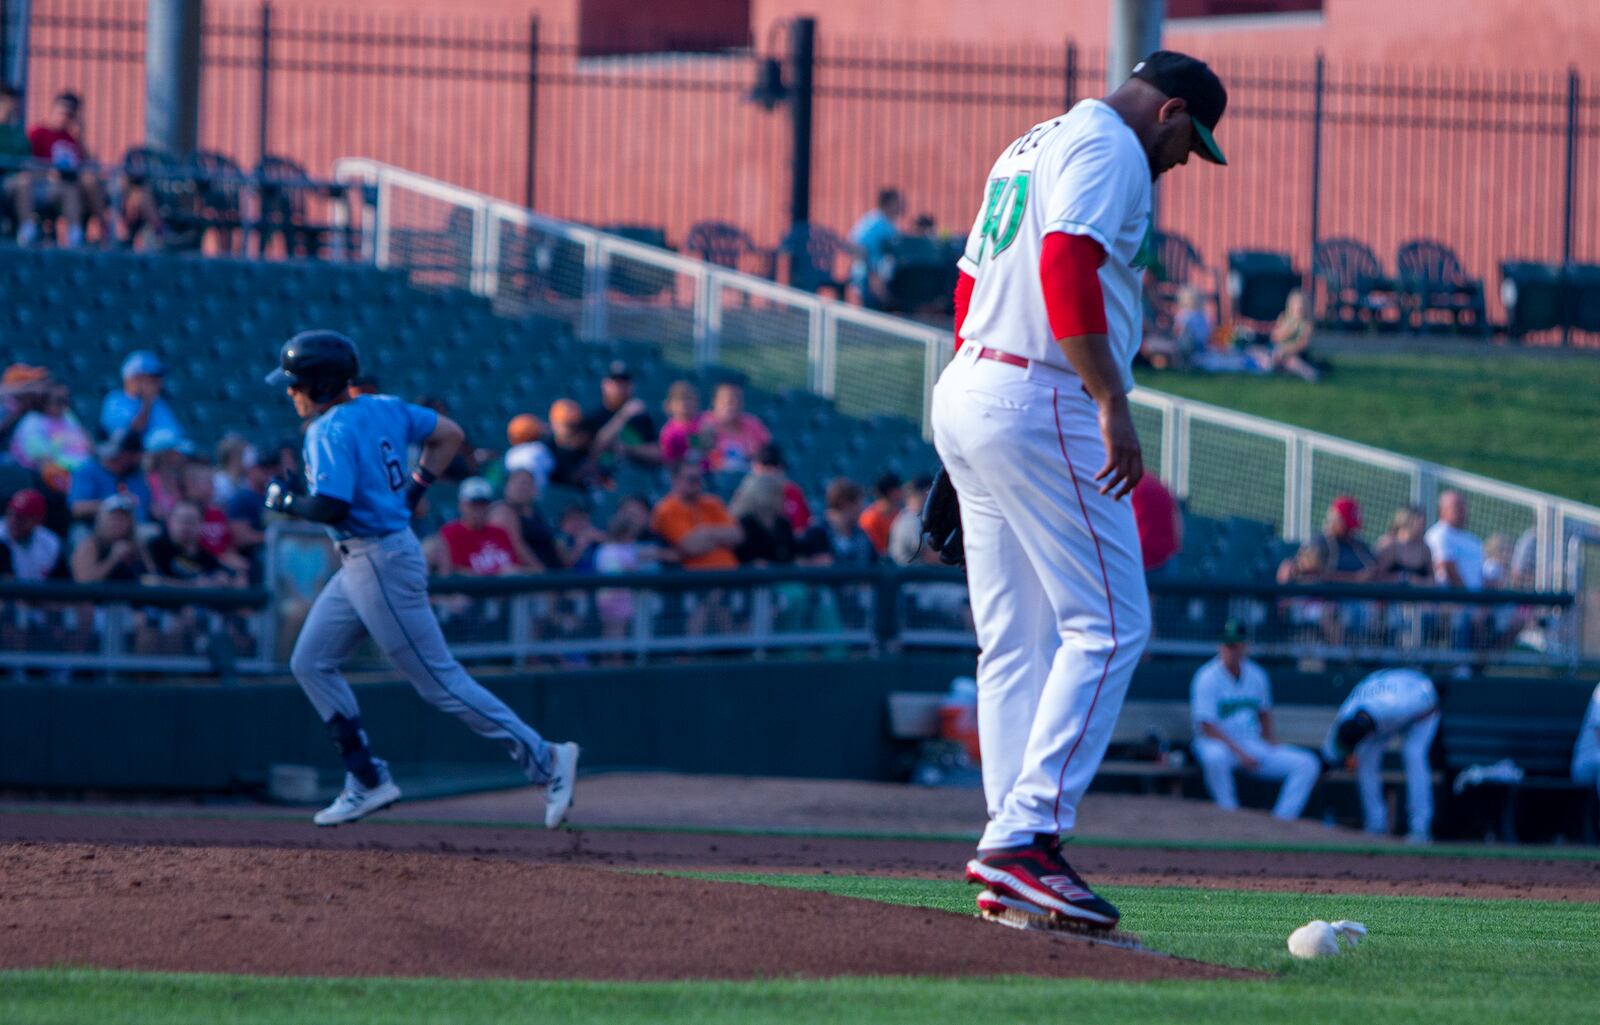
1387	704
1032	422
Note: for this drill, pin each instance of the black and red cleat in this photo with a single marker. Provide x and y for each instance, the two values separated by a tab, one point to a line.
1039	875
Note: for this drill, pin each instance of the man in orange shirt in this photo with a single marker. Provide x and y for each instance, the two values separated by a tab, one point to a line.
697	525
878	518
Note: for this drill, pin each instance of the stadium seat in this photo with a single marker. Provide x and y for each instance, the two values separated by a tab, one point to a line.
1432	280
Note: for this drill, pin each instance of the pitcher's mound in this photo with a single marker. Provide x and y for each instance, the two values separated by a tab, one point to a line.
365	913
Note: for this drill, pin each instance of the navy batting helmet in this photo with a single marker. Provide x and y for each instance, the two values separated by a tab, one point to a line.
319	363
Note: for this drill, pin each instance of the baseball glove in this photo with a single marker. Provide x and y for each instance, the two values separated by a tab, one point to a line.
941	521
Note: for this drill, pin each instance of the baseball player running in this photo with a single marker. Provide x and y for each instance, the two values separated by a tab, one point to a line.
1387	704
1032	422
356	485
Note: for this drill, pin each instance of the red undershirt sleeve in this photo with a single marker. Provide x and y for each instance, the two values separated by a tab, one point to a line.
1069	272
964	283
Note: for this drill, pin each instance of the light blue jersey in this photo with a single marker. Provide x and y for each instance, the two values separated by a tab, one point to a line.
356	452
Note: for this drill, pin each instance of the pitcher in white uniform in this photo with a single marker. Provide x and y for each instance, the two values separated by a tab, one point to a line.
1230	704
1032	422
1387	704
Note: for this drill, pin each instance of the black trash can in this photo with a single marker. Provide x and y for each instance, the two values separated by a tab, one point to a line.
1259	283
1531	293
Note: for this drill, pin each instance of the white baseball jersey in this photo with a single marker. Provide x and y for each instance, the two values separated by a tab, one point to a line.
1395	698
1587	751
1232	705
1083	173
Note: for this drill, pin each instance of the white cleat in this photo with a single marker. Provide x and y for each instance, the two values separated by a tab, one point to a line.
357	802
563	778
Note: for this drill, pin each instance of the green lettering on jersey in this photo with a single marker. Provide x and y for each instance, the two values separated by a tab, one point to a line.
1002	215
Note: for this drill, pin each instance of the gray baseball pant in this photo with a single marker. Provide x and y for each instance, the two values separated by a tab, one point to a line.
382	589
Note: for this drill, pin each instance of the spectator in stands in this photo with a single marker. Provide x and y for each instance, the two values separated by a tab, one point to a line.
838	539
528	452
572	447
735	436
179	558
247	515
1343	555
1457	552
621	423
1291	341
769	463
1159	520
1586	752
165	458
1230	704
70	184
1192	326
140	405
697	525
470	545
518	514
875	236
115	470
905	535
758	507
579	538
22	391
47	437
686	436
878	518
216	533
623	551
1496	562
34	550
1403	556
110	553
16	181
228	474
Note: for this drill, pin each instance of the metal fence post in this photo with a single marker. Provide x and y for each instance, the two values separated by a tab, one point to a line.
264	85
802	65
530	179
1569	202
1316	175
1071	75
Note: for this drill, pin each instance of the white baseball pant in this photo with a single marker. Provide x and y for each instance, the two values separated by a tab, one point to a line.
1587	771
1295	766
1416	740
1056	583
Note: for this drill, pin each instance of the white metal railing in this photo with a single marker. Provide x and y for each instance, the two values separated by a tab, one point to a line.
1222	477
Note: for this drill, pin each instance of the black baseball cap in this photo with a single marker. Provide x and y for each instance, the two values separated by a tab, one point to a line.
1191	80
1233	632
619	371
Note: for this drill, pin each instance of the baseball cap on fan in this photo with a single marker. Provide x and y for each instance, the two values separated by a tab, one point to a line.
1191	80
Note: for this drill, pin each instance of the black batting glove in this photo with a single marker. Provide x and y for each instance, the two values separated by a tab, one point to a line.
278	492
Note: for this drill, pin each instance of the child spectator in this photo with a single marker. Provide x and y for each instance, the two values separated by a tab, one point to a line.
471	545
697	525
683	438
736	436
838	539
878	518
229	473
579	539
69	183
1291	339
623	551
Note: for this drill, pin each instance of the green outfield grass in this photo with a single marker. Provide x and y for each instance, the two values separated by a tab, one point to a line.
1524	418
1454	961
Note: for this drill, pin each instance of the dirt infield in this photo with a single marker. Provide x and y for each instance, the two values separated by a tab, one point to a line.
367	913
1320	872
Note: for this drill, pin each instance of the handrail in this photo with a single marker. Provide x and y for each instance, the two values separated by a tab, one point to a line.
136	594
